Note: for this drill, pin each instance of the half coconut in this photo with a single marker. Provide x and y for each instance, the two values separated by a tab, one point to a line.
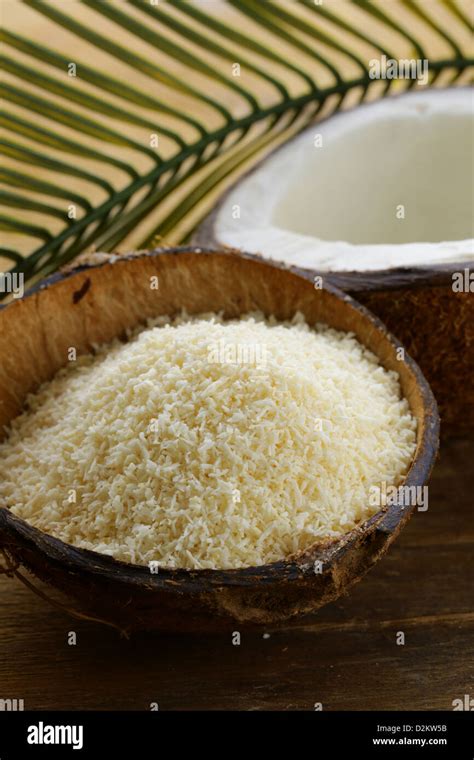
378	200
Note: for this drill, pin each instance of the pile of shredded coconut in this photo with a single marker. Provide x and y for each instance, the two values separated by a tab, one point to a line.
201	443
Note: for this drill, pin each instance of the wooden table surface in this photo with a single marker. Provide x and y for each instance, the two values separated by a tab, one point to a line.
345	657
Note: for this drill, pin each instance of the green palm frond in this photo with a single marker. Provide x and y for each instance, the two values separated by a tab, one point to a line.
172	100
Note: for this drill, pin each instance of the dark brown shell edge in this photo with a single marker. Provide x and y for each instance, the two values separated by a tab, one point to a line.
133	598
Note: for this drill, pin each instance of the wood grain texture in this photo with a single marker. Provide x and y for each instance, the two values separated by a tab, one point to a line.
345	656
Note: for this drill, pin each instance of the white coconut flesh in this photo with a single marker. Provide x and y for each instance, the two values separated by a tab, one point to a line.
385	185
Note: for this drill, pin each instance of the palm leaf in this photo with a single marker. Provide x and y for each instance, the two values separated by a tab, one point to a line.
80	165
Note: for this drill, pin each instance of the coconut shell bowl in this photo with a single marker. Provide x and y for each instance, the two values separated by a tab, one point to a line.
101	299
